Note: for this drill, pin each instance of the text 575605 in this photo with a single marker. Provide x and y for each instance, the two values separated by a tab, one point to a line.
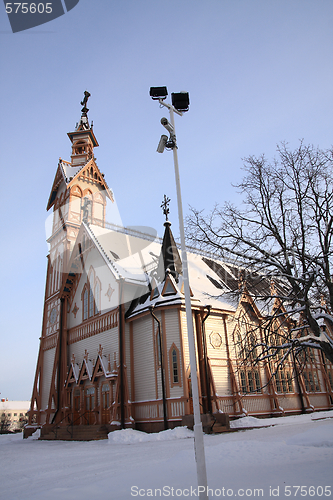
25	8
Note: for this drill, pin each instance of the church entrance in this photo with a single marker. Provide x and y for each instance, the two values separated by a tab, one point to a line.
105	403
89	406
76	406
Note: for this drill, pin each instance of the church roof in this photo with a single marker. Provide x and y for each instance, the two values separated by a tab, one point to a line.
68	174
136	259
169	258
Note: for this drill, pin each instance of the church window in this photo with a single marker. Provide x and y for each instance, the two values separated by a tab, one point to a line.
174	365
311	381
85	304
90	398
250	380
283	380
91	296
91	302
106	395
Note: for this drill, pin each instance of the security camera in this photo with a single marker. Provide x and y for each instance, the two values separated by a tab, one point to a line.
162	143
167	125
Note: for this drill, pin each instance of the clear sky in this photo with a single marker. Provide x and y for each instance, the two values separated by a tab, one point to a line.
258	72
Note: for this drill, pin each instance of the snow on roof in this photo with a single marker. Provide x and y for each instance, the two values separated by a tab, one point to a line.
128	255
135	257
68	171
76	371
14	405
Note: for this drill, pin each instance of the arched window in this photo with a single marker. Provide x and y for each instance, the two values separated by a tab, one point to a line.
174	366
85	303
91	302
91	296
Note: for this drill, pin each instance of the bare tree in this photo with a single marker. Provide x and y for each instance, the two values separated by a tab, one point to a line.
5	423
281	235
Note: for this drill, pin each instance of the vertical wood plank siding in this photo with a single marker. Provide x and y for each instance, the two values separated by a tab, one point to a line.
46	382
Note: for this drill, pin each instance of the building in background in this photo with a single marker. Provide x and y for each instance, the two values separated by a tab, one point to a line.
13	415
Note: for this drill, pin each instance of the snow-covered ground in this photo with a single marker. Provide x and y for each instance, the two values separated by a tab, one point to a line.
267	462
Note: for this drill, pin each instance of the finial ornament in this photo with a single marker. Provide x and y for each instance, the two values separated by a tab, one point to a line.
85	110
165	206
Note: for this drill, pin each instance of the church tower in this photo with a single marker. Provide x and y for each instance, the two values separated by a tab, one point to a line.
79	193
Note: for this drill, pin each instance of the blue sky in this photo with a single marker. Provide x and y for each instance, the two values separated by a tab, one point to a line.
258	73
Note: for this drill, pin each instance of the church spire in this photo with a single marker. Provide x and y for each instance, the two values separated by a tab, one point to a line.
83	138
170	258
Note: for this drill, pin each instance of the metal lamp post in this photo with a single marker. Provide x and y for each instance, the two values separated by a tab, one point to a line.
180	103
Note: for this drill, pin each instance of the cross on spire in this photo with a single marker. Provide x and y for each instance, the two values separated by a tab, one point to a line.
85	110
165	206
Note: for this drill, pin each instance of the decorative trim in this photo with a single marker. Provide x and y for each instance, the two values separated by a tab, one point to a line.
93	326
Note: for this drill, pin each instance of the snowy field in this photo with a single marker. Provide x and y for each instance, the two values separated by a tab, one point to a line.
293	457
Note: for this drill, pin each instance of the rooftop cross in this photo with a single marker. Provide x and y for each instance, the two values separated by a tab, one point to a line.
165	206
84	102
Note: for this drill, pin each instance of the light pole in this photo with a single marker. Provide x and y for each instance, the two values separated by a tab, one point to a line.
180	104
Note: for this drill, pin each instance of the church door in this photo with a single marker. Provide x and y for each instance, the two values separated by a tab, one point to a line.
76	406
105	403
89	417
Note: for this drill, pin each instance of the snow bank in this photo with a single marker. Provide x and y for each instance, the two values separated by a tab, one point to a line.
130	436
245	422
320	437
250	422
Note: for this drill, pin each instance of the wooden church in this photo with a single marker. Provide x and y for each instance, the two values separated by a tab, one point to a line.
114	349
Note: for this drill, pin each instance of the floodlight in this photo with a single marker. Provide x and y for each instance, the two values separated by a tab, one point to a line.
180	101
158	92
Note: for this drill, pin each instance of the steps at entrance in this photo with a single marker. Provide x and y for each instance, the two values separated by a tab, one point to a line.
75	433
211	423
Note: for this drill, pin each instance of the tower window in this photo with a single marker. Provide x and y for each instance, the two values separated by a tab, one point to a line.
174	366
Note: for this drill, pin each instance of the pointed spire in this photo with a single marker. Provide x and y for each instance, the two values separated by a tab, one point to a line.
83	138
169	259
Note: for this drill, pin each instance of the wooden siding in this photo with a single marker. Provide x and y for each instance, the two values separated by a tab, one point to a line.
47	375
108	341
173	337
144	359
218	354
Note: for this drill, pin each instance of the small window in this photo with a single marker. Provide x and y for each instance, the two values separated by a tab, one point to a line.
174	366
91	303
85	304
